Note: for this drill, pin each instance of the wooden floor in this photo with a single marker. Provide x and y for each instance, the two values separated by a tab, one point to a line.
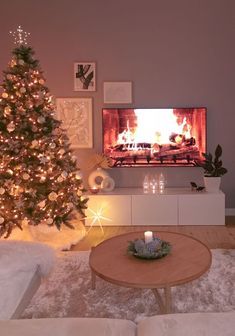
213	236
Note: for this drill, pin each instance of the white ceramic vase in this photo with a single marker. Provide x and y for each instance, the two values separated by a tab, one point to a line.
212	184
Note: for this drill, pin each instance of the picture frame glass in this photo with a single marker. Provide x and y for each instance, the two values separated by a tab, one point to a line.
76	117
84	76
118	92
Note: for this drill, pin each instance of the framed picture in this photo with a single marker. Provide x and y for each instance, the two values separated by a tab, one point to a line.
84	76
76	115
118	92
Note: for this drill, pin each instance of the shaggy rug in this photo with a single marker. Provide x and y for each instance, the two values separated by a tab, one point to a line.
67	292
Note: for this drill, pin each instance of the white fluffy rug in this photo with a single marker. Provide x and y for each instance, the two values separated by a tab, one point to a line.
67	292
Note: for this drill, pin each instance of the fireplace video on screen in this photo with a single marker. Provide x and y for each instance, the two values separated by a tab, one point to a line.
154	136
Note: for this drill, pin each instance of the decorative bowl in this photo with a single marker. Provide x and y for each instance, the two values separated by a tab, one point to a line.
155	249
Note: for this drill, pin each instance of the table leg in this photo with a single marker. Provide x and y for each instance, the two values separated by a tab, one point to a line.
163	301
167	291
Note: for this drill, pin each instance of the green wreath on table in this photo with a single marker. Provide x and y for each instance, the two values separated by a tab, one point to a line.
154	249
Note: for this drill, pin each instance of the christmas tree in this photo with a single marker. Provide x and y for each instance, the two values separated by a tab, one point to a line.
40	182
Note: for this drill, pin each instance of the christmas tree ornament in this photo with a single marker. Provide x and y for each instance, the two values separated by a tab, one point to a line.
42	204
23	90
7	110
10	172
2	220
52	196
49	221
52	145
60	179
41	120
64	174
25	176
43	159
34	144
2	191
61	151
11	127
21	62
4	95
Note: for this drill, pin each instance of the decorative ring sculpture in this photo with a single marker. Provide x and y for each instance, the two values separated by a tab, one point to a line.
96	177
107	184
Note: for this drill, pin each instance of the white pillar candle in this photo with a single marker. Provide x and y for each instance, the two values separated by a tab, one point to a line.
148	236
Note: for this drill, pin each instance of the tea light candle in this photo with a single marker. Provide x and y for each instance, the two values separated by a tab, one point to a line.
94	190
148	236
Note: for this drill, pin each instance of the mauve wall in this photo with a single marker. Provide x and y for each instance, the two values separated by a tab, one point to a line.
177	53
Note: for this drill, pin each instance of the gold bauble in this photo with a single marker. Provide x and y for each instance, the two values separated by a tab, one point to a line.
52	196
4	95
2	191
25	176
60	179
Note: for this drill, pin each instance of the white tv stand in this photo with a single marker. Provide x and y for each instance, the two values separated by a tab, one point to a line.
175	206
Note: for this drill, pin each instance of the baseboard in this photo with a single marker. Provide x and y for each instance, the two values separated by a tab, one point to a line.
230	212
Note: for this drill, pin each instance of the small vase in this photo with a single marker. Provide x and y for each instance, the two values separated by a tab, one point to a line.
212	184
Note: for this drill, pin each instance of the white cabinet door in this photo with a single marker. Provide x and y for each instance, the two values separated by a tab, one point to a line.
202	209
154	210
108	210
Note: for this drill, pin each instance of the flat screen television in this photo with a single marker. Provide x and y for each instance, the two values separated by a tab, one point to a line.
135	137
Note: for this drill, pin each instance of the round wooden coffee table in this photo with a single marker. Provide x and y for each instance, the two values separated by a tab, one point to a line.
188	260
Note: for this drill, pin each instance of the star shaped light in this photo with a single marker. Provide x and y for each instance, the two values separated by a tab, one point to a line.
97	217
20	36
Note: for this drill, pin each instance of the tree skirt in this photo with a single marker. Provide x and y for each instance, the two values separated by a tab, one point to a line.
67	292
61	239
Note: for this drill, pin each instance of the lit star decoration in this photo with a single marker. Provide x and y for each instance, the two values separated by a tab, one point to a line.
97	217
20	36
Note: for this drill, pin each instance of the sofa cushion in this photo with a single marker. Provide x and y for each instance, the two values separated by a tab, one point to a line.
68	327
195	324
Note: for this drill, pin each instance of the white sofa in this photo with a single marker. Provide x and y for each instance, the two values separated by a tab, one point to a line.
197	324
22	265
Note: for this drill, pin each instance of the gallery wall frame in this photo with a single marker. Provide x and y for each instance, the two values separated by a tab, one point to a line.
84	76
76	117
118	92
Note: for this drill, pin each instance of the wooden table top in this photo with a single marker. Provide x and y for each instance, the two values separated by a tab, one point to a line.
188	260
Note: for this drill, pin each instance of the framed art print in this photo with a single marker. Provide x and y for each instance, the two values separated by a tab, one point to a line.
84	76
118	92
76	115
